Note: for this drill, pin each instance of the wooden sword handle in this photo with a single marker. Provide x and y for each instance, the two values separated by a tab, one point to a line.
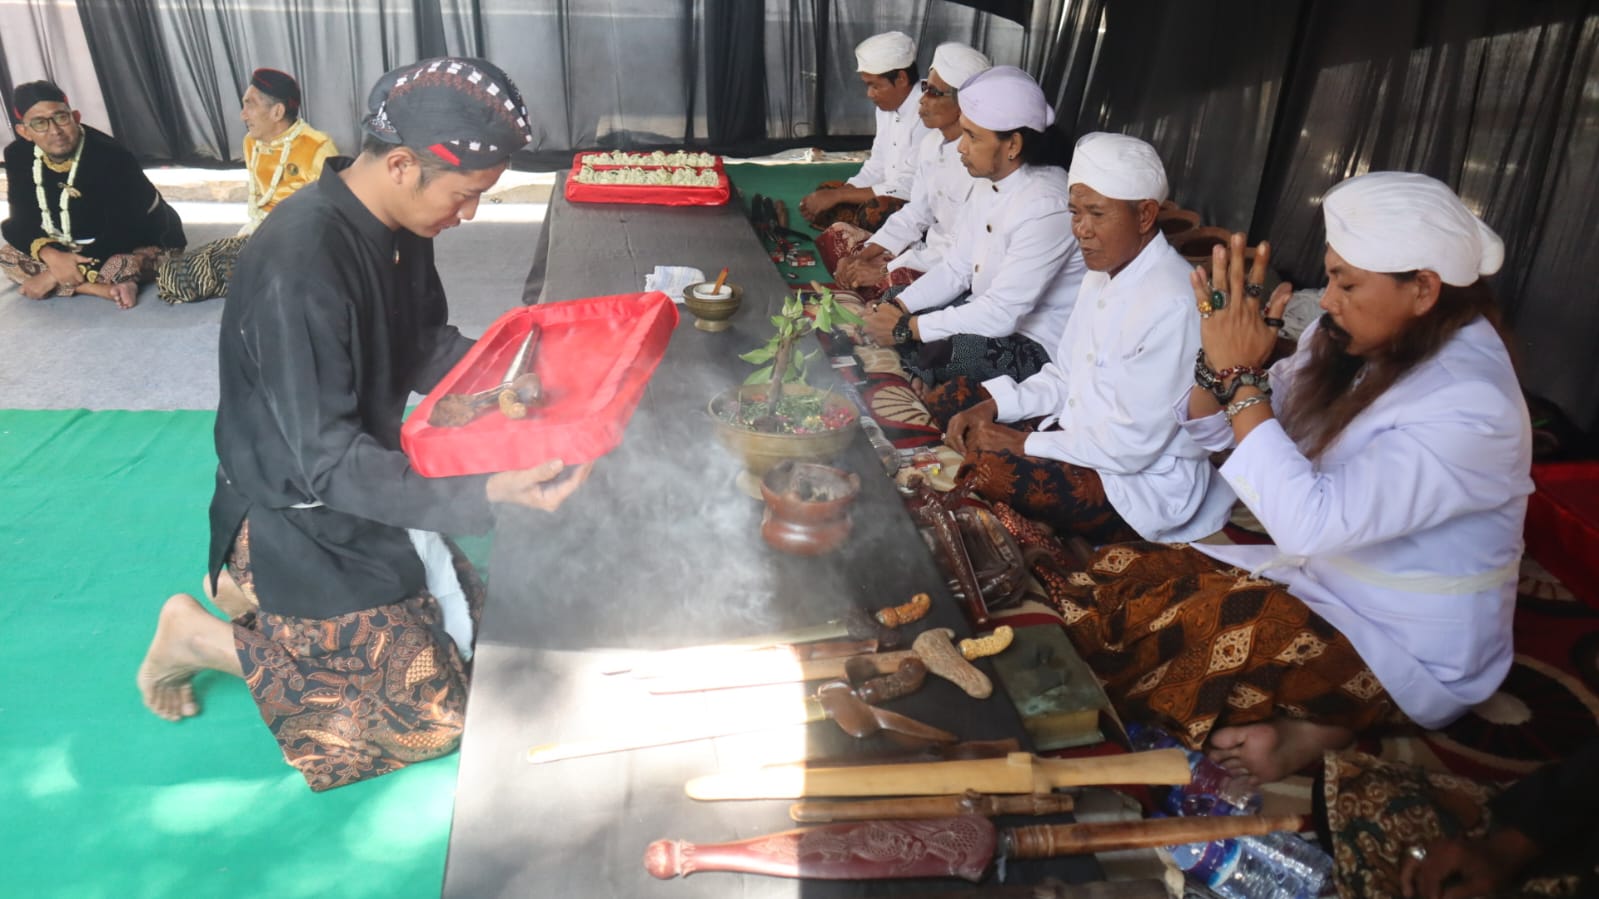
1051	840
868	850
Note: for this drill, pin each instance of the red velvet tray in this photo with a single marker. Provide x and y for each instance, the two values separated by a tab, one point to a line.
652	195
594	358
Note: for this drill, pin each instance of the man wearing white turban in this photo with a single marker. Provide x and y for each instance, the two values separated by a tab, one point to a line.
1116	465
1388	459
1013	258
914	239
887	66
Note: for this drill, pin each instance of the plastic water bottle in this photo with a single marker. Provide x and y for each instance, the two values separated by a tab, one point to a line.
1268	867
1212	791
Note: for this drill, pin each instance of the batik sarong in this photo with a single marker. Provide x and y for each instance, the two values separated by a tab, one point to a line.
1068	498
199	274
138	266
841	241
869	215
1377	810
358	695
1192	644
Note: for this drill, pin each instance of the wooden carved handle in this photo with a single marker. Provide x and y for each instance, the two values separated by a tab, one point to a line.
905	680
1050	840
871	850
943	659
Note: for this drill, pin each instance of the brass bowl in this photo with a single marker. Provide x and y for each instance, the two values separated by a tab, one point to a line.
761	451
712	314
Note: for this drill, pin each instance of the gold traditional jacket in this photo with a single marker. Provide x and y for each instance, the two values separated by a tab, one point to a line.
308	148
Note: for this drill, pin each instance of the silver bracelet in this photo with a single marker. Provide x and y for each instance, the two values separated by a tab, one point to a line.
1236	407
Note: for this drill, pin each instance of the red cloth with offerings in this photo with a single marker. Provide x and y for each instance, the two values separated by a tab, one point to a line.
593	357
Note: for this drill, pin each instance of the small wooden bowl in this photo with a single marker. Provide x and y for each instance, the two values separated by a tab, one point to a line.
713	313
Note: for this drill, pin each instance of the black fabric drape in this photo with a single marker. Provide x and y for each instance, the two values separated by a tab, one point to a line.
1257	106
735	72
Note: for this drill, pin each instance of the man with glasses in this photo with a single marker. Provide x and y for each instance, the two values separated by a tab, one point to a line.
913	240
887	66
84	218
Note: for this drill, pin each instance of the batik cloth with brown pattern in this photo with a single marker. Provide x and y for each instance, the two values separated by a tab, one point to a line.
359	695
1069	498
841	241
1377	810
869	215
1192	644
138	266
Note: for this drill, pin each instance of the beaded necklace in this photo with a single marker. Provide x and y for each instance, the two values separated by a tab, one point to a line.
257	194
68	192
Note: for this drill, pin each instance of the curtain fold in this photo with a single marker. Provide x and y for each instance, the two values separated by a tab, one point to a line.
1257	106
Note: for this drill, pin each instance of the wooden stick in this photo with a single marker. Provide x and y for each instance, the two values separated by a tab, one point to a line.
1051	840
971	803
720	280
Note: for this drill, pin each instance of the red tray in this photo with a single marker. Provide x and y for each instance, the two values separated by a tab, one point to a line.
652	195
594	358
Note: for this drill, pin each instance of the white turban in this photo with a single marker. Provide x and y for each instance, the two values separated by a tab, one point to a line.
1005	98
1403	222
957	63
1118	166
885	52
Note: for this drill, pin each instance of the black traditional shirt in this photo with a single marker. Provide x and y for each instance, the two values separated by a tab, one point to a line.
117	210
332	320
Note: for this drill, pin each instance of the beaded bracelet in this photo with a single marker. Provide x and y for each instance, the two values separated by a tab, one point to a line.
1232	409
1226	373
1225	394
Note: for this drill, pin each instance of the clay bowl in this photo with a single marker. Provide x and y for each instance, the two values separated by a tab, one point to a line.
761	451
807	507
712	311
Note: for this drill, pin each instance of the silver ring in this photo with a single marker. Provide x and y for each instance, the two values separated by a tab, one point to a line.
1419	853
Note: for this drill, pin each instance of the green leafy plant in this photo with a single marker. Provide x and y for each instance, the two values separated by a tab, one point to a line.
780	360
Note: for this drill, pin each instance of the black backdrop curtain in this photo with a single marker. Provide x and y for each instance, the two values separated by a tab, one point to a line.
1257	106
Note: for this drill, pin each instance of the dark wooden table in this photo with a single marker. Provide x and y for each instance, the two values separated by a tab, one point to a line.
659	549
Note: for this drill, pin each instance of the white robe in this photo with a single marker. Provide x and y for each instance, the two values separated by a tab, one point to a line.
1014	251
891	169
1129	346
1407	534
921	231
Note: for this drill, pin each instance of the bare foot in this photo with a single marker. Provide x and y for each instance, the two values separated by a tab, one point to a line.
125	294
229	597
39	286
187	640
1272	750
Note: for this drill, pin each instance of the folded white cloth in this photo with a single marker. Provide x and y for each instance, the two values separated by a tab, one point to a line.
445	587
671	279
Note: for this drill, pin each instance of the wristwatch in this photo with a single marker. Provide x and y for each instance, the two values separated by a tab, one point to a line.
902	329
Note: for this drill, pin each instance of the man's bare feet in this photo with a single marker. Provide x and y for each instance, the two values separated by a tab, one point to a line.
229	597
188	639
1272	750
39	286
125	294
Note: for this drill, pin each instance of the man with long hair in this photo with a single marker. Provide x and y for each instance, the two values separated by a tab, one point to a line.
1388	459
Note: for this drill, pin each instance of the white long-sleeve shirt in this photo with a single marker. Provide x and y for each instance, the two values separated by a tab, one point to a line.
920	232
1015	252
1406	534
891	169
1128	347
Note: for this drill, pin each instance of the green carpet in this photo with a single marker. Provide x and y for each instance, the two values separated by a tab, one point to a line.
102	516
790	183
